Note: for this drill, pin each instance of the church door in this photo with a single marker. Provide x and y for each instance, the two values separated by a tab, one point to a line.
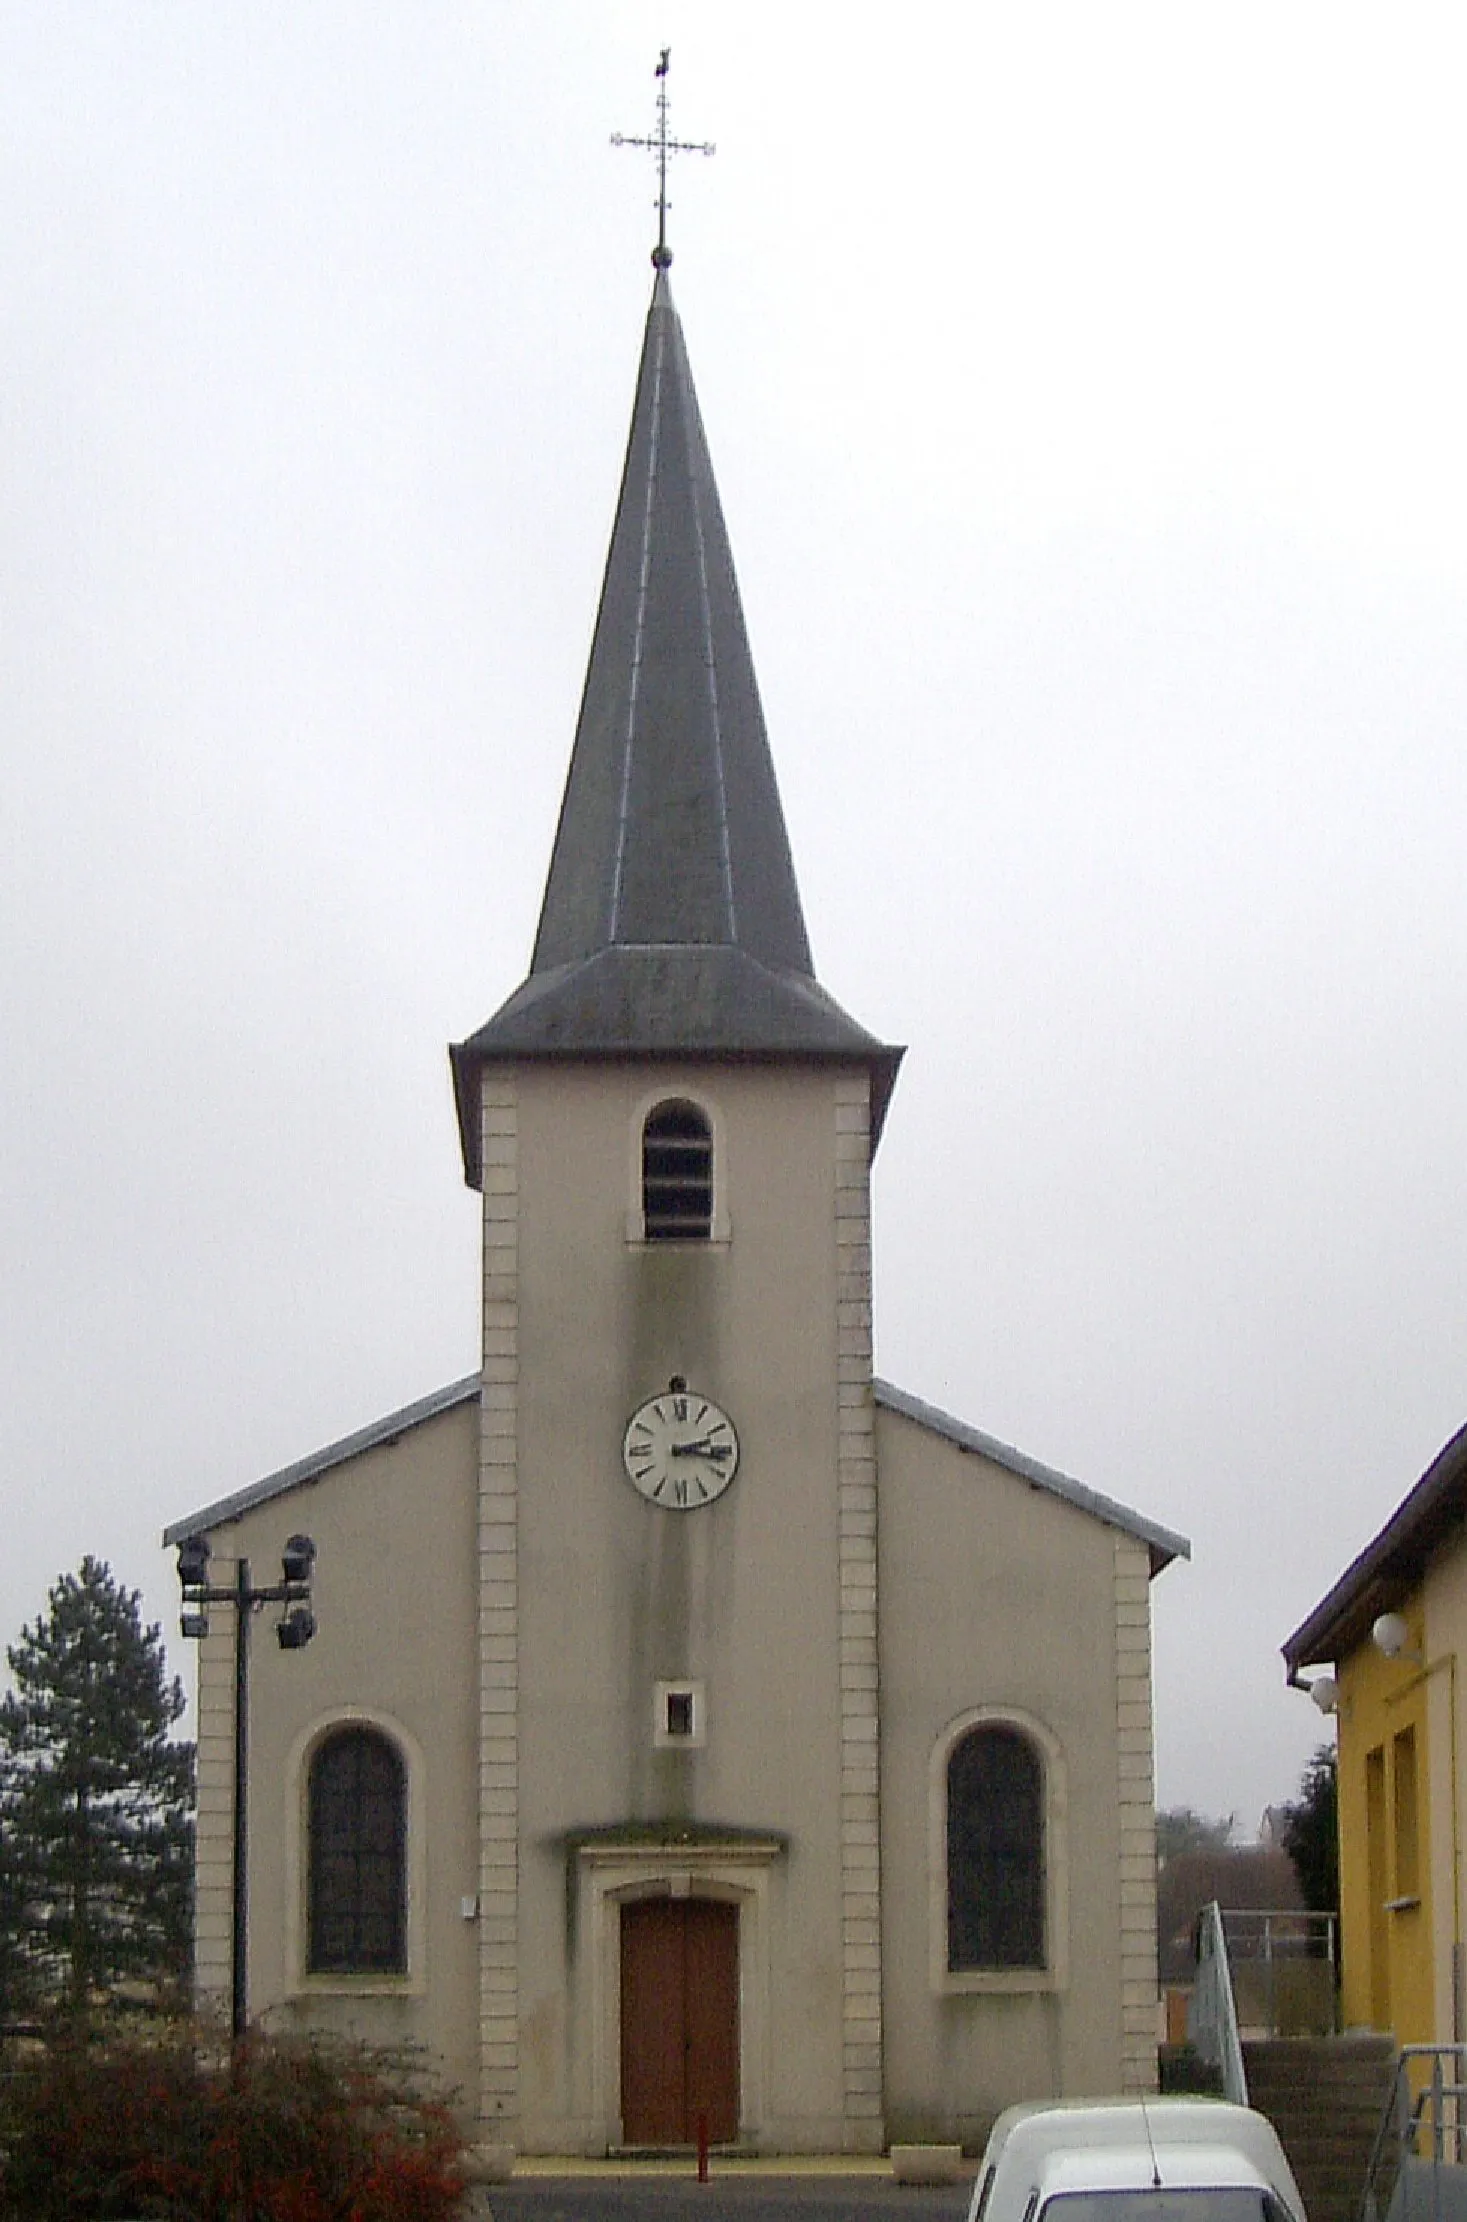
679	2020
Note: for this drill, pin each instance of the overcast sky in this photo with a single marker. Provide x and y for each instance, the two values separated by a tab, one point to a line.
1086	392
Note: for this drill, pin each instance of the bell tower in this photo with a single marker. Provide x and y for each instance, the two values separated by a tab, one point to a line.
671	1124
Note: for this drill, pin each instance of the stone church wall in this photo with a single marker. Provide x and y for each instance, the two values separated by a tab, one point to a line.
741	1597
394	1605
505	1605
1000	1601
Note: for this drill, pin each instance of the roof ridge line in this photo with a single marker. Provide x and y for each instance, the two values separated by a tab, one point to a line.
710	665
639	627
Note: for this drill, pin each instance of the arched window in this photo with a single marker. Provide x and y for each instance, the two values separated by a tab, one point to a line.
677	1174
358	1842
995	1851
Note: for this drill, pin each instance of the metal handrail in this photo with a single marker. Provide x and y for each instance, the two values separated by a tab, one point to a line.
1282	1932
1212	2015
1292	1982
1439	2105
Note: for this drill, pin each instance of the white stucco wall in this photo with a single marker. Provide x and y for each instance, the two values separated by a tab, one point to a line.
997	1595
394	1604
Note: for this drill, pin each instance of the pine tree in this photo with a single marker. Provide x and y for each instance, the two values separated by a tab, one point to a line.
96	1801
17	1987
1311	1833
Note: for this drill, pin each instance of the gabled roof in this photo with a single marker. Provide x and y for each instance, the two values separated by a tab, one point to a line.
321	1462
1162	1543
671	925
1164	1546
1391	1563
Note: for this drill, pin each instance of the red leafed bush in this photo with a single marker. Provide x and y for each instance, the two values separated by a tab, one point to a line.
173	2125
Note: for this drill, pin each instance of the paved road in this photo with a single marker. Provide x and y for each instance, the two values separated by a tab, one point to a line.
724	2199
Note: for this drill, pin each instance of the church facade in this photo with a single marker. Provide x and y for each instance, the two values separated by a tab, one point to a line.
699	1733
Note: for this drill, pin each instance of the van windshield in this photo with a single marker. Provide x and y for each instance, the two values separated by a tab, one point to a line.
1160	2205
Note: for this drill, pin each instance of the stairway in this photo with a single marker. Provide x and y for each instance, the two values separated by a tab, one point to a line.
1325	2097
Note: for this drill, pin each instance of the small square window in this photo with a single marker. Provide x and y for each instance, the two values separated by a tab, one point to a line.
677	1715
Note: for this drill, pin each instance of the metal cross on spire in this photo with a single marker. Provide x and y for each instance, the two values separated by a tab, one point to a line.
662	146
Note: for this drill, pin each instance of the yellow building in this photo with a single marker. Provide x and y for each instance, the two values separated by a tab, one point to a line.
1392	1629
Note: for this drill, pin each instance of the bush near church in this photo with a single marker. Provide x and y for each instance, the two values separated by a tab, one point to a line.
170	2123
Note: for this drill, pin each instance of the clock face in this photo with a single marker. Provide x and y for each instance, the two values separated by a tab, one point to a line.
679	1449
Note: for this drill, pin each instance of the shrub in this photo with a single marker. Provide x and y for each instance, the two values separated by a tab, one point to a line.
174	2125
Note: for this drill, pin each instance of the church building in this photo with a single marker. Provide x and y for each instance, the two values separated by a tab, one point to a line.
697	1729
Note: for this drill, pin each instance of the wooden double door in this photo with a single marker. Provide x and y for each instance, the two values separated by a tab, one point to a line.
679	2020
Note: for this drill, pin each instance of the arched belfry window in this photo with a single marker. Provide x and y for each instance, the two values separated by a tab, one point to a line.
677	1174
358	1844
995	1851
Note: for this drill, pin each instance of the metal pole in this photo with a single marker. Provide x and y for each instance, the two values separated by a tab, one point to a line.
239	2004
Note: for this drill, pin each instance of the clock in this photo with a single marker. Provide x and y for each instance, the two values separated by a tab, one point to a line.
679	1449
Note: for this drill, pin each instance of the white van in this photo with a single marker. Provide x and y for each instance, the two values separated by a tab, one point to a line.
1134	2160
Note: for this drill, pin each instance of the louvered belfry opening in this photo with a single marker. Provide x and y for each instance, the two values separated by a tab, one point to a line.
677	1174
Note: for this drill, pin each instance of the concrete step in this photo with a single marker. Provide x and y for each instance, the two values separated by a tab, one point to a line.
1325	2097
1335	2059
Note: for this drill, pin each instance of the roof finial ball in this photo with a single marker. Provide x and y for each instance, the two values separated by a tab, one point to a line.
661	145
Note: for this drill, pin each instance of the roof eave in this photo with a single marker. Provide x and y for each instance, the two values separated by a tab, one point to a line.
1162	1544
468	1062
304	1470
1392	1561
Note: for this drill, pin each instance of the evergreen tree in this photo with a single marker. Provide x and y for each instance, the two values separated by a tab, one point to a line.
96	1800
1182	1831
1311	1833
17	1990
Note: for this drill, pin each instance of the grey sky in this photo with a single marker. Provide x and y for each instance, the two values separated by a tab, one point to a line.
1085	389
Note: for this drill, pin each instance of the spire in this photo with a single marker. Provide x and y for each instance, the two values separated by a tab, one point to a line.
671	924
671	831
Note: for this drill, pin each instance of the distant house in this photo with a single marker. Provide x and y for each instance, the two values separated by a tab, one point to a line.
1272	1826
1392	1629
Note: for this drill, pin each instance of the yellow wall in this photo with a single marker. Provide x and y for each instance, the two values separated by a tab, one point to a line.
1446	1645
1387	1867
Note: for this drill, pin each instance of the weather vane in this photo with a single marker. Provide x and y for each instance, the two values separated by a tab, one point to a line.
662	146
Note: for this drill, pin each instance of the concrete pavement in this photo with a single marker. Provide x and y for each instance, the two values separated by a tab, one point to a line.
834	2190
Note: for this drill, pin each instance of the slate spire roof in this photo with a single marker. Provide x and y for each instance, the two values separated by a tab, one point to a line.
671	924
671	830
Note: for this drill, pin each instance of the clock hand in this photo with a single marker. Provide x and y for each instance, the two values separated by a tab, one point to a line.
701	1449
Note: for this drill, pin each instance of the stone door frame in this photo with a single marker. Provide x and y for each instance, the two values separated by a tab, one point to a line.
741	1873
